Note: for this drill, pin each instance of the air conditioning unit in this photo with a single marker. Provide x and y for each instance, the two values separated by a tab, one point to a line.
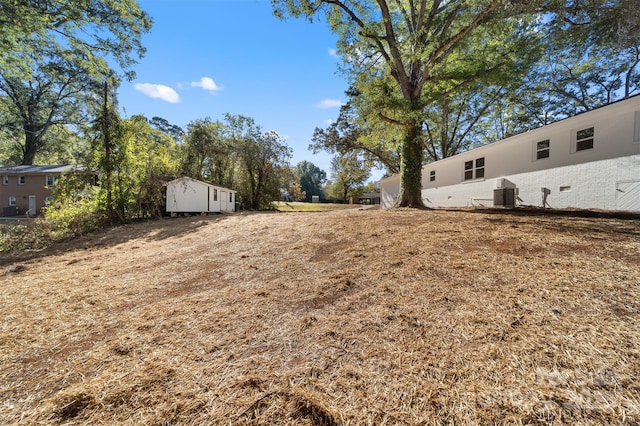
505	197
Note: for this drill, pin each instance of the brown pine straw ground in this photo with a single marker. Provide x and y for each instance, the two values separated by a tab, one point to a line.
398	317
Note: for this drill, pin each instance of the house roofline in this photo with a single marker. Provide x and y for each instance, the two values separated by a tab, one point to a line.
199	181
537	129
34	169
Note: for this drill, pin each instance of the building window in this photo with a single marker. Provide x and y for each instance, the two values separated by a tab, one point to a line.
230	197
468	170
51	181
12	201
474	169
47	200
21	180
215	195
5	180
432	175
542	149
584	139
480	168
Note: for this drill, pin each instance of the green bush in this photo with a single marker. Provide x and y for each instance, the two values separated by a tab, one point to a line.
73	217
73	213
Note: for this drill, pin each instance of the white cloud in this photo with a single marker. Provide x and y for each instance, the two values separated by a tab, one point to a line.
158	91
333	52
206	83
329	121
329	103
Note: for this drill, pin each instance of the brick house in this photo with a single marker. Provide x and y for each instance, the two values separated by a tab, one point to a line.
27	189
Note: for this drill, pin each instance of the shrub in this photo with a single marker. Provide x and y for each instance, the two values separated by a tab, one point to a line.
76	210
70	218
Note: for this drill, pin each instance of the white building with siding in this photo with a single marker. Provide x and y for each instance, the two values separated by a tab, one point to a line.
589	161
187	195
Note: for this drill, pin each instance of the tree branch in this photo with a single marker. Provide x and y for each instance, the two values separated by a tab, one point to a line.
392	121
355	18
446	47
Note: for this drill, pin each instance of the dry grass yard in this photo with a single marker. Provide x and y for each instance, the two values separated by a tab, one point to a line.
370	317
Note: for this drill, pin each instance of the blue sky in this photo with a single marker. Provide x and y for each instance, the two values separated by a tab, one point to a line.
206	58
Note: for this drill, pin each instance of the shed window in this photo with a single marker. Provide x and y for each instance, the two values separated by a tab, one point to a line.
474	169
5	180
21	180
584	139
542	149
432	175
230	197
215	195
12	200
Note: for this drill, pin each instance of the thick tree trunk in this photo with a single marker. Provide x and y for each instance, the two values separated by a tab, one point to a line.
30	148
411	169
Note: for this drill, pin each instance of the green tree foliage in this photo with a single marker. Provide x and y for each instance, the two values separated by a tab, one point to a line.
352	132
237	154
142	158
408	57
53	96
348	174
588	66
291	189
209	152
10	152
413	53
163	125
580	75
134	159
592	58
263	162
55	55
312	178
605	21
110	28
452	124
75	208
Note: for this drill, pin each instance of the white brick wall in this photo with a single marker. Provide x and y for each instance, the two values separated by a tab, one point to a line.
594	175
592	185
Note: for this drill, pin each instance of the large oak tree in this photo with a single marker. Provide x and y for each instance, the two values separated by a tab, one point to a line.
423	51
55	54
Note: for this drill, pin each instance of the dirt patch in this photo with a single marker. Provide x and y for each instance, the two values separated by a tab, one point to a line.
339	318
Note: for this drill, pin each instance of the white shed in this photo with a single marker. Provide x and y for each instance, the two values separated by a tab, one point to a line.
186	195
591	160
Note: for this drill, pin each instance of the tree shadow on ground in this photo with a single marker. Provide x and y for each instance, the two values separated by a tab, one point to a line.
150	230
586	221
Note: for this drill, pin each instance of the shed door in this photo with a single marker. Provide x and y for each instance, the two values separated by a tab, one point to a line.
223	201
212	200
628	195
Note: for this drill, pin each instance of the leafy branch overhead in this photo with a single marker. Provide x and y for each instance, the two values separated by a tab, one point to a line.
102	28
55	55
